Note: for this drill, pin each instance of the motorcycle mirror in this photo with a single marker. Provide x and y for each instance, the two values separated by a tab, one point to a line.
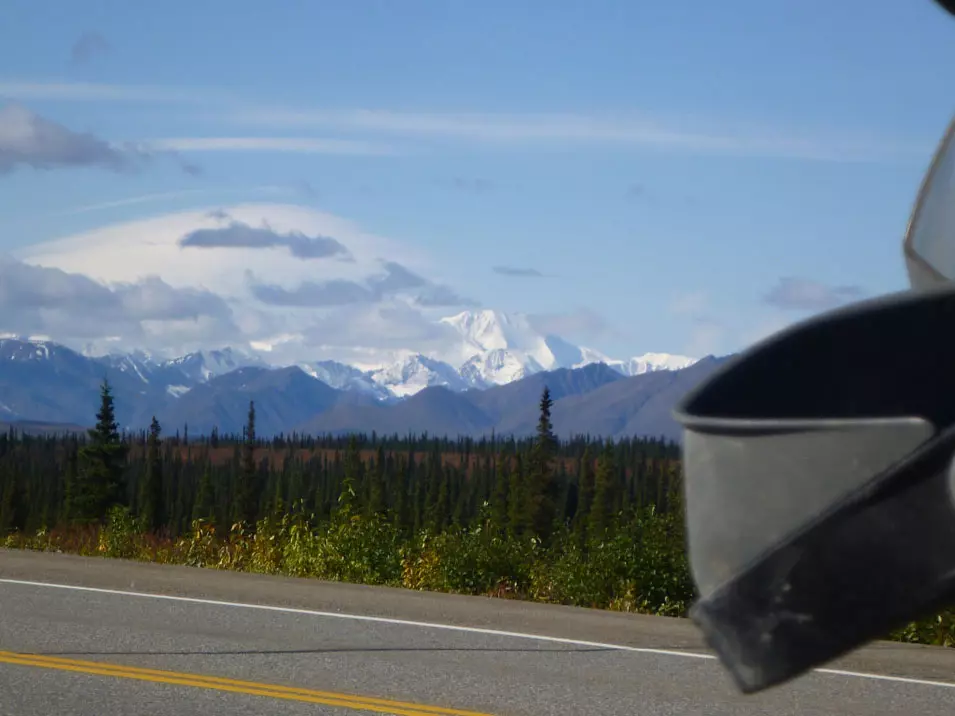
819	496
929	244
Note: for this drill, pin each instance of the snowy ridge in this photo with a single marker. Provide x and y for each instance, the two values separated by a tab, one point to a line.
484	348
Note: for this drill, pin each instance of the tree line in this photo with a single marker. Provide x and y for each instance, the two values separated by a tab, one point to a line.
532	487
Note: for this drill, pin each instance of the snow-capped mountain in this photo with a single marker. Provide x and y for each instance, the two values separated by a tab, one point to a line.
495	348
417	372
203	365
498	366
484	348
346	377
481	332
649	362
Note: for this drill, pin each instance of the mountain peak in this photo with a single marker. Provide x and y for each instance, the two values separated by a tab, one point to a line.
489	330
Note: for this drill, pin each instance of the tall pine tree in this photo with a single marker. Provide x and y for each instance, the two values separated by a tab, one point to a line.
99	483
151	495
541	489
247	491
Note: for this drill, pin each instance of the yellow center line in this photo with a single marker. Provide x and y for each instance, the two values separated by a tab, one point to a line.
275	691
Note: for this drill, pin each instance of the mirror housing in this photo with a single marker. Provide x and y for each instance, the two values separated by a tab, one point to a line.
929	243
820	510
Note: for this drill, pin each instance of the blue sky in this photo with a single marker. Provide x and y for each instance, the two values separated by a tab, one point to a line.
686	176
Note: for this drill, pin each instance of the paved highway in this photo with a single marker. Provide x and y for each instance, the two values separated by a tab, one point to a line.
101	637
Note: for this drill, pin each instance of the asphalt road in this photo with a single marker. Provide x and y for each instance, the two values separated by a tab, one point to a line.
126	638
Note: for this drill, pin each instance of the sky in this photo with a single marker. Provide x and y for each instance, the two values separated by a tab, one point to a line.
634	176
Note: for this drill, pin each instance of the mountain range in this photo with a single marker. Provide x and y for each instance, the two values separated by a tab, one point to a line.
500	368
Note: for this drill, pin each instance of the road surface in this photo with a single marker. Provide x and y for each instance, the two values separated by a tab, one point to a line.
99	637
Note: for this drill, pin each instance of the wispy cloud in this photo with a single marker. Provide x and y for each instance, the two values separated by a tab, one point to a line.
302	145
800	294
517	271
168	195
132	200
622	130
87	46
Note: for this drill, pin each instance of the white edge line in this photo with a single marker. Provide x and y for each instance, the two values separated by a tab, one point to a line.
451	627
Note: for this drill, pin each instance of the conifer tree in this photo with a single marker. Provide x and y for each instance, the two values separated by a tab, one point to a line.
541	488
151	495
247	492
99	484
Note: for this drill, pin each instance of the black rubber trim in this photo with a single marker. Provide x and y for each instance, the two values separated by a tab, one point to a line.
868	567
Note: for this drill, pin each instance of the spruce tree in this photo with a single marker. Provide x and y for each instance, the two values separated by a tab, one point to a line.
99	484
151	495
247	491
541	488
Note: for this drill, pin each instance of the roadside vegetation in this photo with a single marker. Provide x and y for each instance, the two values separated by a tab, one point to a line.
585	522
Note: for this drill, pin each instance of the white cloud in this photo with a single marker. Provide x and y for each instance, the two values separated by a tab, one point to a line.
124	251
144	263
74	309
300	145
626	129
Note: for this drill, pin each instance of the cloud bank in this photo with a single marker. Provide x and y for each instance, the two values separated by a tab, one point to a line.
266	277
75	309
27	139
